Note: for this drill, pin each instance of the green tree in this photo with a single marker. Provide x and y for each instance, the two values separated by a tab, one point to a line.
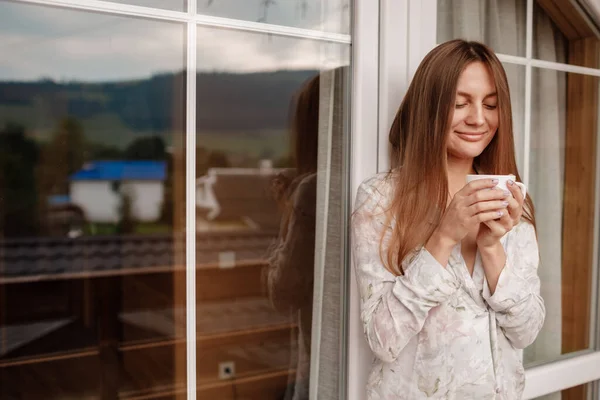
218	159
101	151
146	148
69	143
201	161
127	221
64	155
167	207
206	159
19	212
284	162
267	153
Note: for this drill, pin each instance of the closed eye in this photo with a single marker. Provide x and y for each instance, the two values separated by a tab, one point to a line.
490	107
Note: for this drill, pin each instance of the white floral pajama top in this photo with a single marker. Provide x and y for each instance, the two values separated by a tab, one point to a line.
437	332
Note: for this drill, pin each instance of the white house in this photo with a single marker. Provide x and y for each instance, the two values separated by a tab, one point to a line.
242	194
99	186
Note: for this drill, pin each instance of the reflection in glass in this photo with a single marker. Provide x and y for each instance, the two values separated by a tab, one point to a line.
549	43
564	127
290	277
577	392
500	24
557	43
91	176
174	5
516	82
261	129
321	15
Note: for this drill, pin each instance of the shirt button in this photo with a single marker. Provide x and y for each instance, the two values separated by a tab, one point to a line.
498	390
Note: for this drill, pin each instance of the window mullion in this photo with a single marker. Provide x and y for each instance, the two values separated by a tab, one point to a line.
190	187
529	34
528	83
527	124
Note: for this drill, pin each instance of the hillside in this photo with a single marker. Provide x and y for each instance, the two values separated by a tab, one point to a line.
115	113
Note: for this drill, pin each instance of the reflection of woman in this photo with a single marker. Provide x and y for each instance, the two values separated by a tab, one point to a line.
448	320
291	264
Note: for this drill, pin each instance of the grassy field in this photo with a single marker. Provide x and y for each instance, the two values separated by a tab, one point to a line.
109	130
142	228
271	143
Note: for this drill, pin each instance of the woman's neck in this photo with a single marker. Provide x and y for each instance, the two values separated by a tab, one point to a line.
458	169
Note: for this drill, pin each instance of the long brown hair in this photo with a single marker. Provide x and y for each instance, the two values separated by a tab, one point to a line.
304	130
418	140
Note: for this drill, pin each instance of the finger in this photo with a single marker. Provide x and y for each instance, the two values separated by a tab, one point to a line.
516	191
485	206
487	195
488	216
515	215
496	228
477	185
506	222
514	207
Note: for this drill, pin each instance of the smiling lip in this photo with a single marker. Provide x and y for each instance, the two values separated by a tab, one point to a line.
471	136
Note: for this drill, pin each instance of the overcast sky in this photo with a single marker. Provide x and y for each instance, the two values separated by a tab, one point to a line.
41	42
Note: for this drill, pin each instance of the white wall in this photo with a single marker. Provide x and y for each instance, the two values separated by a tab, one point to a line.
96	199
100	203
364	114
147	200
382	75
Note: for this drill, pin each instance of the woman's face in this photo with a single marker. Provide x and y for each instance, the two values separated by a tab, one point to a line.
475	118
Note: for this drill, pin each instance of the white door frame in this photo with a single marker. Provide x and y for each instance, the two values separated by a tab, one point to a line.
363	163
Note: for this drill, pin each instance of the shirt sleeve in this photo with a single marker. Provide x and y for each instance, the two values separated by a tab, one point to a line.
393	308
519	307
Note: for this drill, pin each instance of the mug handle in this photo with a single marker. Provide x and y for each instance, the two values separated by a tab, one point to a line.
523	188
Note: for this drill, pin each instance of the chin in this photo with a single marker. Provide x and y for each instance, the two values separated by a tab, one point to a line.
462	149
467	152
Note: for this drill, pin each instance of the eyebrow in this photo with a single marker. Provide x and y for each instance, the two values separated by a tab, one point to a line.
463	94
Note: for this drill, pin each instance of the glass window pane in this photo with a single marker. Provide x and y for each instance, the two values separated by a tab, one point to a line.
557	34
583	392
271	133
564	127
173	5
92	177
516	82
501	24
321	15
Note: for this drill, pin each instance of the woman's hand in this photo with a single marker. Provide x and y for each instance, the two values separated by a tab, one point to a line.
490	232
470	207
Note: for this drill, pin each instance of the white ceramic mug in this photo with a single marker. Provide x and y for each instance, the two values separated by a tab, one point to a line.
502	180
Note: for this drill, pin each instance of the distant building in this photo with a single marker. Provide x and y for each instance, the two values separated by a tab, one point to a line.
239	194
99	186
63	218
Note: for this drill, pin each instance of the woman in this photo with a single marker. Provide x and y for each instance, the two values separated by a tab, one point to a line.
448	321
290	273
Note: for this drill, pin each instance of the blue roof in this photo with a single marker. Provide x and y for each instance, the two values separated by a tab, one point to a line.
121	171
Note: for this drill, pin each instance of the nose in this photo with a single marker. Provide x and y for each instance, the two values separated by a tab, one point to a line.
475	116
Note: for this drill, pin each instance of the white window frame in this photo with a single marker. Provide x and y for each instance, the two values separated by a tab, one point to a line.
364	91
407	33
364	149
